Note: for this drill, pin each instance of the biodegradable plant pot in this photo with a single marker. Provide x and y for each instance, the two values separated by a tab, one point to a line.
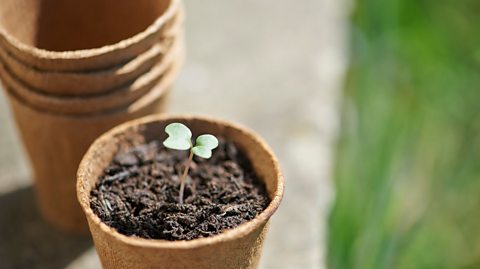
91	83
56	143
236	248
68	35
122	96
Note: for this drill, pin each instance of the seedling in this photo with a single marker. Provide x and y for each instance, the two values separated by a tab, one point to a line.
180	138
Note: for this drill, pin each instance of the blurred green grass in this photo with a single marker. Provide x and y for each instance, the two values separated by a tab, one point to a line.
407	175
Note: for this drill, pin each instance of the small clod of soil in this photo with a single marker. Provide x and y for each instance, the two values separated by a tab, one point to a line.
138	193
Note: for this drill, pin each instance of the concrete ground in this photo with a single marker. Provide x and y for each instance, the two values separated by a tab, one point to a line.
275	66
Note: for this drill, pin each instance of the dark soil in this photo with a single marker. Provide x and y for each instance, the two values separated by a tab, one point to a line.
138	193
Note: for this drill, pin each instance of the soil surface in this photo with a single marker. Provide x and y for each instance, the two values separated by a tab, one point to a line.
138	193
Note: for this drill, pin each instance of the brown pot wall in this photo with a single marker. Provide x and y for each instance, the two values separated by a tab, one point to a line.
238	248
91	83
56	143
68	35
123	96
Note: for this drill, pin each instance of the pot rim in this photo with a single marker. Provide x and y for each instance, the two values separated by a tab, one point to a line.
152	52
227	235
161	90
157	70
169	13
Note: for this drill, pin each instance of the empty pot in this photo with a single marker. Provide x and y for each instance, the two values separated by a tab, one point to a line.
69	35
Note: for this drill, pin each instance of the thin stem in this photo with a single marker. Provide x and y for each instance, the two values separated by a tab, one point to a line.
184	176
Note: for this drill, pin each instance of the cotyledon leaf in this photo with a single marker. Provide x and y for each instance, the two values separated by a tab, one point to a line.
204	145
179	137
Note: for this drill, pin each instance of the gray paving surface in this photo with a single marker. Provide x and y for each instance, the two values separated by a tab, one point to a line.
273	65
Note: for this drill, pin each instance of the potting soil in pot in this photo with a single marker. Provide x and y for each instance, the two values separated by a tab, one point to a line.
138	193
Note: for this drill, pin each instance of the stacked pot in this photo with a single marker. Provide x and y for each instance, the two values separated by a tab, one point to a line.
74	69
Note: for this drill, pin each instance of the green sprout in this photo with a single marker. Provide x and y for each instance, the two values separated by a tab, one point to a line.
180	138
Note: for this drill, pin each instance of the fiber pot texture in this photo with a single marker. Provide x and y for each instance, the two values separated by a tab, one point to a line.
90	83
237	248
56	143
69	35
122	96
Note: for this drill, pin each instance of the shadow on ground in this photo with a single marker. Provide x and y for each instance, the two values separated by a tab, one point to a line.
27	241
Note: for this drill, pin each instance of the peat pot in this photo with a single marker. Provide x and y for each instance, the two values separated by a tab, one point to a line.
236	248
68	35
